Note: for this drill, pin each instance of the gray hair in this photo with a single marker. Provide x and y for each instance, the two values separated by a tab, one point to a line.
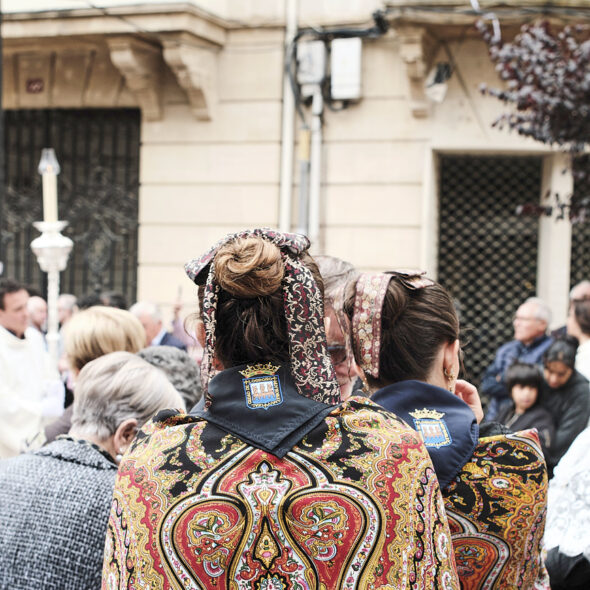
116	387
337	274
67	301
180	368
35	302
146	308
543	311
580	291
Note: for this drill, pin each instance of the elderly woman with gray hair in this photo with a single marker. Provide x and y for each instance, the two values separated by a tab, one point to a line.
180	368
55	502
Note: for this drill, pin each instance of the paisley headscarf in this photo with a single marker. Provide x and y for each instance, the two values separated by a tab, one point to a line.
304	311
370	292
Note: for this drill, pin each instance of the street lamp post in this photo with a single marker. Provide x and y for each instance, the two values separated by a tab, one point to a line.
51	248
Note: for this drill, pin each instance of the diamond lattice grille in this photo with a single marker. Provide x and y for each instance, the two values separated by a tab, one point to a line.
580	258
487	254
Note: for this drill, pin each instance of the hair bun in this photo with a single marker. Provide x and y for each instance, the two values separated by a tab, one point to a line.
249	267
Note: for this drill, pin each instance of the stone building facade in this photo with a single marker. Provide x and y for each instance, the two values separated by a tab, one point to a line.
219	134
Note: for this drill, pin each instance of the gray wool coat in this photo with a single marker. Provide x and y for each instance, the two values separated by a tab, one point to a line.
54	509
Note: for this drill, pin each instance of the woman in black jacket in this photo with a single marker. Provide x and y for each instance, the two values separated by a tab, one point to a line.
565	395
524	381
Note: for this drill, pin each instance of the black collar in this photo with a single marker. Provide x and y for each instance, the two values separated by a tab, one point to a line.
446	423
260	404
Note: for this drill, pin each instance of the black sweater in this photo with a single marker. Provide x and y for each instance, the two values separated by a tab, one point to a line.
570	407
535	417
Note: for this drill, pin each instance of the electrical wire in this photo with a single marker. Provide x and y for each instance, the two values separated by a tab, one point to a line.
500	11
290	69
326	35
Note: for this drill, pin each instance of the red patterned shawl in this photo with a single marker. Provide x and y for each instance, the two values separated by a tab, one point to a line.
496	509
355	504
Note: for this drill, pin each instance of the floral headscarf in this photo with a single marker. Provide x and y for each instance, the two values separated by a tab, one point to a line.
304	311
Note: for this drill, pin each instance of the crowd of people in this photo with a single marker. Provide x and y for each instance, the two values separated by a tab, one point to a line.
313	431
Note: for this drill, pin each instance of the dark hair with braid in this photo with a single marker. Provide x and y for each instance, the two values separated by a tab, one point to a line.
563	349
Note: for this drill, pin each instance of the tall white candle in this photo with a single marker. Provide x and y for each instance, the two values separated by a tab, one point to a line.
49	169
50	197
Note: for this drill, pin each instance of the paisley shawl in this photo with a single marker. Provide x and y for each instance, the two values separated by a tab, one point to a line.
496	509
355	504
496	505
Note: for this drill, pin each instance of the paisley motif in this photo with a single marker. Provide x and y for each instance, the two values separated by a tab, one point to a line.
496	510
355	505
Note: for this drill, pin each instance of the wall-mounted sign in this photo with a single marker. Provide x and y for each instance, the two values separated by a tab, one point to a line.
34	85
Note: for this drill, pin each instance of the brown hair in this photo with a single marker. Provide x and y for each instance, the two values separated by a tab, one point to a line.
9	286
415	323
251	324
582	314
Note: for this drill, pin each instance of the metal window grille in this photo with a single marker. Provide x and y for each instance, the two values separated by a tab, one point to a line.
98	152
487	254
580	249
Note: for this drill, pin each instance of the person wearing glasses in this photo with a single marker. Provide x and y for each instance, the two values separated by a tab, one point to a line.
405	335
530	342
275	483
336	274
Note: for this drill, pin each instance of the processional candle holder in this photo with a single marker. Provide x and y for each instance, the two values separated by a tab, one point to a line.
51	248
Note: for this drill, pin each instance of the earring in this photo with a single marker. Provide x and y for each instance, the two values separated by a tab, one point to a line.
450	378
118	457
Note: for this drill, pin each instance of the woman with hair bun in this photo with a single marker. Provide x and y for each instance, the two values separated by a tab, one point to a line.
274	484
405	334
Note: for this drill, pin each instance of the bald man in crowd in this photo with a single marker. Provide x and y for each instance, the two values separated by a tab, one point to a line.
37	308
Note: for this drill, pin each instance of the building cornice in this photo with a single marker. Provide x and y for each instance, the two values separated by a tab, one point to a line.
140	41
444	14
142	19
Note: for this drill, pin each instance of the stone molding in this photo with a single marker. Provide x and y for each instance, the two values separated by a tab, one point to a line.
194	64
63	75
149	19
416	47
140	65
62	52
445	16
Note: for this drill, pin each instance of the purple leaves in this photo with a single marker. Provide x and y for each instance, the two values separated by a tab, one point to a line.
547	82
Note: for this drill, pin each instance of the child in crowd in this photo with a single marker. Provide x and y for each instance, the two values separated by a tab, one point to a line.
524	382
